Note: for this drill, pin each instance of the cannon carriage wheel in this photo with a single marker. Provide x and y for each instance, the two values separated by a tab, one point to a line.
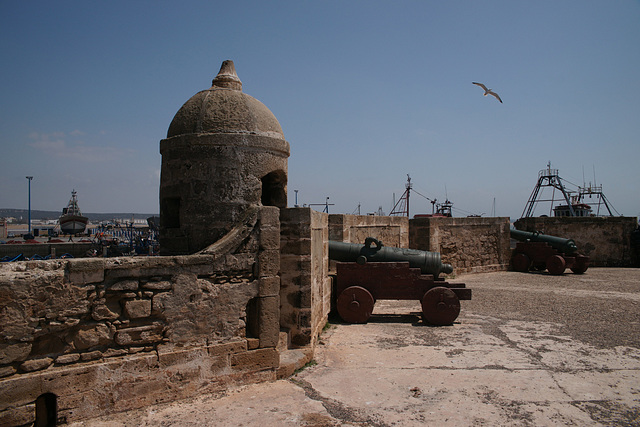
355	304
521	262
556	265
581	265
440	306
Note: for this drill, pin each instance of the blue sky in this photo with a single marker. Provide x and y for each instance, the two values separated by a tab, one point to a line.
366	93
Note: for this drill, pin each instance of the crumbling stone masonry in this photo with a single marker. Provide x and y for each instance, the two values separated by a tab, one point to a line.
108	335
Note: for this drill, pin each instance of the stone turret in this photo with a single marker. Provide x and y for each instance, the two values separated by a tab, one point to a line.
224	153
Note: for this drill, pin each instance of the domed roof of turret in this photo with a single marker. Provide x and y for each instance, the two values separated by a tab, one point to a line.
224	108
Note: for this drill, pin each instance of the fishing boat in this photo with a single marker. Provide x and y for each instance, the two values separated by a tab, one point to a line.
575	201
72	221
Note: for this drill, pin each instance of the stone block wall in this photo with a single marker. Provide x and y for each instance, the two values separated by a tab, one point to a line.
108	335
305	292
391	230
470	245
606	240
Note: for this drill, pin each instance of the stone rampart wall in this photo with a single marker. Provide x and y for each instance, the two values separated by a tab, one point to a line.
470	245
606	240
108	335
305	292
104	335
391	230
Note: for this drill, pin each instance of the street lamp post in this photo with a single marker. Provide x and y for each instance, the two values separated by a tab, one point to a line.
29	178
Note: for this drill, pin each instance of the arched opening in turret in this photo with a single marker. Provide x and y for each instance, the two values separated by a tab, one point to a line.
274	189
170	212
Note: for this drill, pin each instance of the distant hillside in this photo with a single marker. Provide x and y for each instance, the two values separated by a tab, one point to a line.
53	215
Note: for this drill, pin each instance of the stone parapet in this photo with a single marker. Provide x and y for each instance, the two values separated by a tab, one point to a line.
106	335
136	380
470	245
391	230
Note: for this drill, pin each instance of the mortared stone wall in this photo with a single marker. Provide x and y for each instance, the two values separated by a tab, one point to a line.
104	335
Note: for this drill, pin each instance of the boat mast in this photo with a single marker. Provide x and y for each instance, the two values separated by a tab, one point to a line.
402	207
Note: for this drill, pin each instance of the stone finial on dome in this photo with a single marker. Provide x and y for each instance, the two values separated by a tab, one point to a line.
227	77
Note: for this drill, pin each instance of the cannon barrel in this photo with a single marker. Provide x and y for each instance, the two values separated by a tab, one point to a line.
567	246
427	262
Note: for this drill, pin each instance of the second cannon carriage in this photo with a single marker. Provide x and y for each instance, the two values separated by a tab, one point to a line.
536	251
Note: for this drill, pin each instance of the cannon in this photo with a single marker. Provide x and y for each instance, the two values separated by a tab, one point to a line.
427	262
535	251
366	274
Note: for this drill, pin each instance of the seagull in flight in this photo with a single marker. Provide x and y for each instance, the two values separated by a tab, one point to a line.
488	91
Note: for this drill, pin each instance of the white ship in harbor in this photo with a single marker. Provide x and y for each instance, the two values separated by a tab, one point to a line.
72	221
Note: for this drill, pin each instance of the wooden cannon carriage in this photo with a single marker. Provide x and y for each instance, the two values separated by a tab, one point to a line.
536	251
396	274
